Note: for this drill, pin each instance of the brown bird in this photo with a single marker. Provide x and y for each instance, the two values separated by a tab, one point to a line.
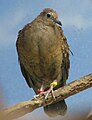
43	55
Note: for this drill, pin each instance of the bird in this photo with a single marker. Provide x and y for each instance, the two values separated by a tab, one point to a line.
43	55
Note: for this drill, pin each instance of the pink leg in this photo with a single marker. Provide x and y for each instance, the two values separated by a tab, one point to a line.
46	93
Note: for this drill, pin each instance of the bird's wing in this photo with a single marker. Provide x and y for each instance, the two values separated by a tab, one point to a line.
25	73
27	76
65	62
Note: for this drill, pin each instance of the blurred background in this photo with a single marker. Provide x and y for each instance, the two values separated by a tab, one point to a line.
76	18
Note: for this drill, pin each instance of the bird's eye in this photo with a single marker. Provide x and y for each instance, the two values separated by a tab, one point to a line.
48	15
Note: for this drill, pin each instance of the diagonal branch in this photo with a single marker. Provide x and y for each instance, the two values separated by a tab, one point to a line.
23	108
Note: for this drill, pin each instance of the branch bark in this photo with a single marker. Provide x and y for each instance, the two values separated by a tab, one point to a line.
70	89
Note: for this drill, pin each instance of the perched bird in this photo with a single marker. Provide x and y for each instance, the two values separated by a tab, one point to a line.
43	54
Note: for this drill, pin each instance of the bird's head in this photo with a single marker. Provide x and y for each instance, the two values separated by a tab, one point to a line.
50	17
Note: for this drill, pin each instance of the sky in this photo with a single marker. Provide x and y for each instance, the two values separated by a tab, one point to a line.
76	18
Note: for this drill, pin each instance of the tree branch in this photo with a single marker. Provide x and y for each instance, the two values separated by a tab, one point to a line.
23	108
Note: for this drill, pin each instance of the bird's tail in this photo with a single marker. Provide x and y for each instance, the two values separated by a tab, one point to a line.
55	109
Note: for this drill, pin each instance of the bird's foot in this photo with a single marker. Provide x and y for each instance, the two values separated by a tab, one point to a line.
40	93
46	93
50	90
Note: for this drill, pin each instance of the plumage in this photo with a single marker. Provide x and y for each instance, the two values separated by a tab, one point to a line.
43	52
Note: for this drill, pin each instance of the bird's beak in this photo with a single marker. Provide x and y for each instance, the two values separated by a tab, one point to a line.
58	23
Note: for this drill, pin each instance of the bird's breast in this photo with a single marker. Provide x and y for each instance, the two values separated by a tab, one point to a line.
43	53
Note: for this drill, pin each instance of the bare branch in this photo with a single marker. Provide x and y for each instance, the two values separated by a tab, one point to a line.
23	108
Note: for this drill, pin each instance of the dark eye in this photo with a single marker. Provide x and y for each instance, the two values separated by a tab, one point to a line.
48	15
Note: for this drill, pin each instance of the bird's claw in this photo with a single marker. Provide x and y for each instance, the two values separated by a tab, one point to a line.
40	94
50	91
46	93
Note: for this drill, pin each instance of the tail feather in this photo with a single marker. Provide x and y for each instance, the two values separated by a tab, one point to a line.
55	109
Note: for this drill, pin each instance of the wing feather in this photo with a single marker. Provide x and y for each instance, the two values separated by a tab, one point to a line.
25	73
65	61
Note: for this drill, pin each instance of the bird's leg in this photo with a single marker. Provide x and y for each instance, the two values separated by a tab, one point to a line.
40	91
52	85
46	93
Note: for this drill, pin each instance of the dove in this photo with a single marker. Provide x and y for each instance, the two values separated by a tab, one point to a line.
43	54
